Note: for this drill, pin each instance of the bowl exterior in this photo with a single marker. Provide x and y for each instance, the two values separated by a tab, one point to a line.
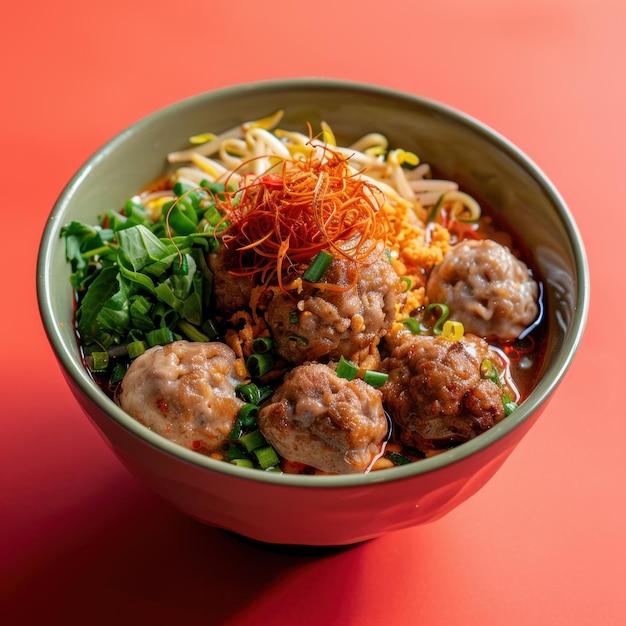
287	514
333	510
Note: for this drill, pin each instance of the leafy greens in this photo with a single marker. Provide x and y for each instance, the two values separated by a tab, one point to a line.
134	274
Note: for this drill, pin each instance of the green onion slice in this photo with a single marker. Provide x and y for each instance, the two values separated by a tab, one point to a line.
433	214
443	316
318	266
266	457
236	431
100	361
243	462
136	348
374	378
488	370
118	373
252	440
303	341
346	369
191	332
259	364
509	404
413	325
252	393
159	337
262	344
247	415
452	330
397	459
235	452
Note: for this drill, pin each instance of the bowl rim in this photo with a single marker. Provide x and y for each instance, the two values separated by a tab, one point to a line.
538	397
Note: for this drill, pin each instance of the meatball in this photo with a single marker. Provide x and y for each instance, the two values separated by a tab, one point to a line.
435	391
324	324
486	288
321	420
184	391
231	293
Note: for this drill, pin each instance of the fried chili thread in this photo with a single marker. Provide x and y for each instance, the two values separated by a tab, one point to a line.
278	222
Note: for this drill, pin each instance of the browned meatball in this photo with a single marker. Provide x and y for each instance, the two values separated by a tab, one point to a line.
435	391
324	324
184	391
324	421
486	288
231	293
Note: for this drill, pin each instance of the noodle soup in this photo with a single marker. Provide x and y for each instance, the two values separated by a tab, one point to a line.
283	302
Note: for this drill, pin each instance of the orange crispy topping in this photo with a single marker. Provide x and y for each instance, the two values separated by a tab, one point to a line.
280	221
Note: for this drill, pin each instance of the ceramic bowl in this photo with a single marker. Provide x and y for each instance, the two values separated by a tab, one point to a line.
322	510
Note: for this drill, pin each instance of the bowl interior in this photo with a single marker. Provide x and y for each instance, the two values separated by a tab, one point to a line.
463	149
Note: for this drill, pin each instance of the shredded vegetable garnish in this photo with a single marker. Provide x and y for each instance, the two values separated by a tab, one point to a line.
281	220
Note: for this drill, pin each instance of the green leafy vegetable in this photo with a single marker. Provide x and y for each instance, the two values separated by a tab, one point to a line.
134	276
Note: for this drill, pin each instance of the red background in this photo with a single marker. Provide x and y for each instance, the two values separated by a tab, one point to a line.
542	543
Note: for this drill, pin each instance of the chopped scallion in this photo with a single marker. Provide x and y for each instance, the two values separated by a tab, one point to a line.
452	330
488	370
252	393
346	369
248	391
262	344
211	186
100	361
243	462
374	378
298	339
212	216
118	373
136	348
259	364
252	440
247	414
264	393
191	332
509	404
443	316
413	325
397	459
509	407
433	214
318	266
235	452
159	337
266	457
236	431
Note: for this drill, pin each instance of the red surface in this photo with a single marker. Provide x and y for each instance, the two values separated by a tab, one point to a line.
542	543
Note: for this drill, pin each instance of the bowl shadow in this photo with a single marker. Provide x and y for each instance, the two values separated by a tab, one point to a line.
141	561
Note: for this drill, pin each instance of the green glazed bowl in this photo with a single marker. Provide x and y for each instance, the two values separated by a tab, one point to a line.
322	510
